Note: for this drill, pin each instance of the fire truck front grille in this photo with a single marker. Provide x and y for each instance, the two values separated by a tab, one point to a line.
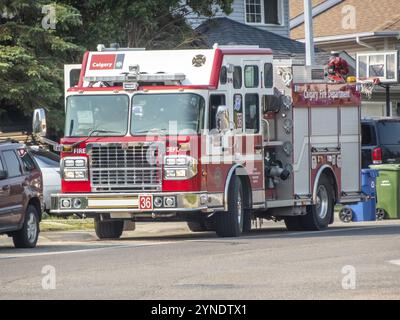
133	167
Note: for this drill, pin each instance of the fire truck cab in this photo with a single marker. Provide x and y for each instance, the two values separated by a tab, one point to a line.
216	137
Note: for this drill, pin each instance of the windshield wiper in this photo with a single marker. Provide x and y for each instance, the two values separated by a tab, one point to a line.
149	131
91	134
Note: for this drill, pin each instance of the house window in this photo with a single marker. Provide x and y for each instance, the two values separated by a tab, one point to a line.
264	11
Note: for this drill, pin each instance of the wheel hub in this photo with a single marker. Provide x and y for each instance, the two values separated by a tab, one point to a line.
31	227
322	202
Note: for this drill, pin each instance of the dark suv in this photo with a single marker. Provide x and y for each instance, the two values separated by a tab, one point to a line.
20	195
380	141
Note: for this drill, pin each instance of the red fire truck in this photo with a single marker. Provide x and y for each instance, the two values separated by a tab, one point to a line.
215	137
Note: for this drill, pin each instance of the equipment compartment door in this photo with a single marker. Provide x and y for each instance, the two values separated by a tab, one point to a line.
350	147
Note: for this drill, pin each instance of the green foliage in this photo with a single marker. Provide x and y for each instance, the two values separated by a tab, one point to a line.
32	57
153	24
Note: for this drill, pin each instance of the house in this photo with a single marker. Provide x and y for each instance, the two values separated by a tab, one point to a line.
267	15
354	26
252	22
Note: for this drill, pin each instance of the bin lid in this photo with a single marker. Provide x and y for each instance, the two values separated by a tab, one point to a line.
373	173
386	167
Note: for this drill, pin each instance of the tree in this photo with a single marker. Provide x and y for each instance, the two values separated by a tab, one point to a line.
32	55
153	24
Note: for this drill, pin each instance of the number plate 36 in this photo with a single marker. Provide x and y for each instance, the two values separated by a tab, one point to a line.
146	202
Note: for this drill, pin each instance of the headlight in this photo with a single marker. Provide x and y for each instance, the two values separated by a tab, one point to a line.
179	167
74	169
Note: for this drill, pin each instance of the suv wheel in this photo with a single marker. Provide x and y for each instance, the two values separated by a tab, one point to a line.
27	237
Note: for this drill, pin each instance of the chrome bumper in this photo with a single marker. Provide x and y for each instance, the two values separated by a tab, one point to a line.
129	202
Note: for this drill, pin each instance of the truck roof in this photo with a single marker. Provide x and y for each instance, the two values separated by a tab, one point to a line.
198	68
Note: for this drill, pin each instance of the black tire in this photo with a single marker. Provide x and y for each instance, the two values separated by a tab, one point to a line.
228	224
247	220
313	221
108	229
293	223
28	236
196	226
380	214
346	215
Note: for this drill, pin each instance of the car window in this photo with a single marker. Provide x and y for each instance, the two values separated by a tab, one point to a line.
1	166
368	135
237	77
27	161
252	113
251	76
45	162
389	132
12	164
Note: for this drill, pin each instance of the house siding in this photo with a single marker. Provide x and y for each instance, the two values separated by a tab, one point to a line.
238	14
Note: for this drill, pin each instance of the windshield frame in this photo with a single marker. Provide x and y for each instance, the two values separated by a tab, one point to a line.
148	132
99	95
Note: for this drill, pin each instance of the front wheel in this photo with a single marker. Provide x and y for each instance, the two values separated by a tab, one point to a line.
230	224
320	214
27	237
108	229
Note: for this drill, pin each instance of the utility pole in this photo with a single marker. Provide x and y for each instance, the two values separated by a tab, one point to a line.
309	33
388	101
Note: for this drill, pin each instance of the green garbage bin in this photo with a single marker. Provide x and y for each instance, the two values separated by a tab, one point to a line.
388	190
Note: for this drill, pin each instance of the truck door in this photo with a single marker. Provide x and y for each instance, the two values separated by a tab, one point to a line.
217	146
252	145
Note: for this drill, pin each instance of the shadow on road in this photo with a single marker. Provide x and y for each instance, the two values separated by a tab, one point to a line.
335	231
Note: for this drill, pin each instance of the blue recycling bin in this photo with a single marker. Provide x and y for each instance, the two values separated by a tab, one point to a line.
363	211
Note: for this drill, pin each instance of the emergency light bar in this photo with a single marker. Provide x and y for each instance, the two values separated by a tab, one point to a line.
142	77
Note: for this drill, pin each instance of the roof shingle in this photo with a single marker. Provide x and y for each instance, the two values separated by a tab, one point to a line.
225	31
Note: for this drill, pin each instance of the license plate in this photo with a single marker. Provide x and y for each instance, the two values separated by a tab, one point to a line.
146	202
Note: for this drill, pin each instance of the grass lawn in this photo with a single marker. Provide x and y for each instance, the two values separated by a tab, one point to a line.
52	223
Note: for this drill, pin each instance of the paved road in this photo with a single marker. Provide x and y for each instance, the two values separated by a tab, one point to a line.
166	261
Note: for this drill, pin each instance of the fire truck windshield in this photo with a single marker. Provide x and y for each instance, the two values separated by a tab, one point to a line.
106	115
167	113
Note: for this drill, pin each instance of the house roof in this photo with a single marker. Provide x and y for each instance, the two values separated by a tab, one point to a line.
370	16
225	31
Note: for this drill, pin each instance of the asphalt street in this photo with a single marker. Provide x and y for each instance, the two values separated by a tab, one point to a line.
166	261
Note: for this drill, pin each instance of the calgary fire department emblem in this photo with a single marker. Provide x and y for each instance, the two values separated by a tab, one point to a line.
198	60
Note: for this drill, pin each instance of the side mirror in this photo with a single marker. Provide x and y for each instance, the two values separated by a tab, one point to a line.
39	125
222	118
3	175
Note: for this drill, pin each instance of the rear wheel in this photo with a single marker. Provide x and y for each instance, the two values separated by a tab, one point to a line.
380	214
346	215
27	237
108	229
293	223
230	224
320	214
